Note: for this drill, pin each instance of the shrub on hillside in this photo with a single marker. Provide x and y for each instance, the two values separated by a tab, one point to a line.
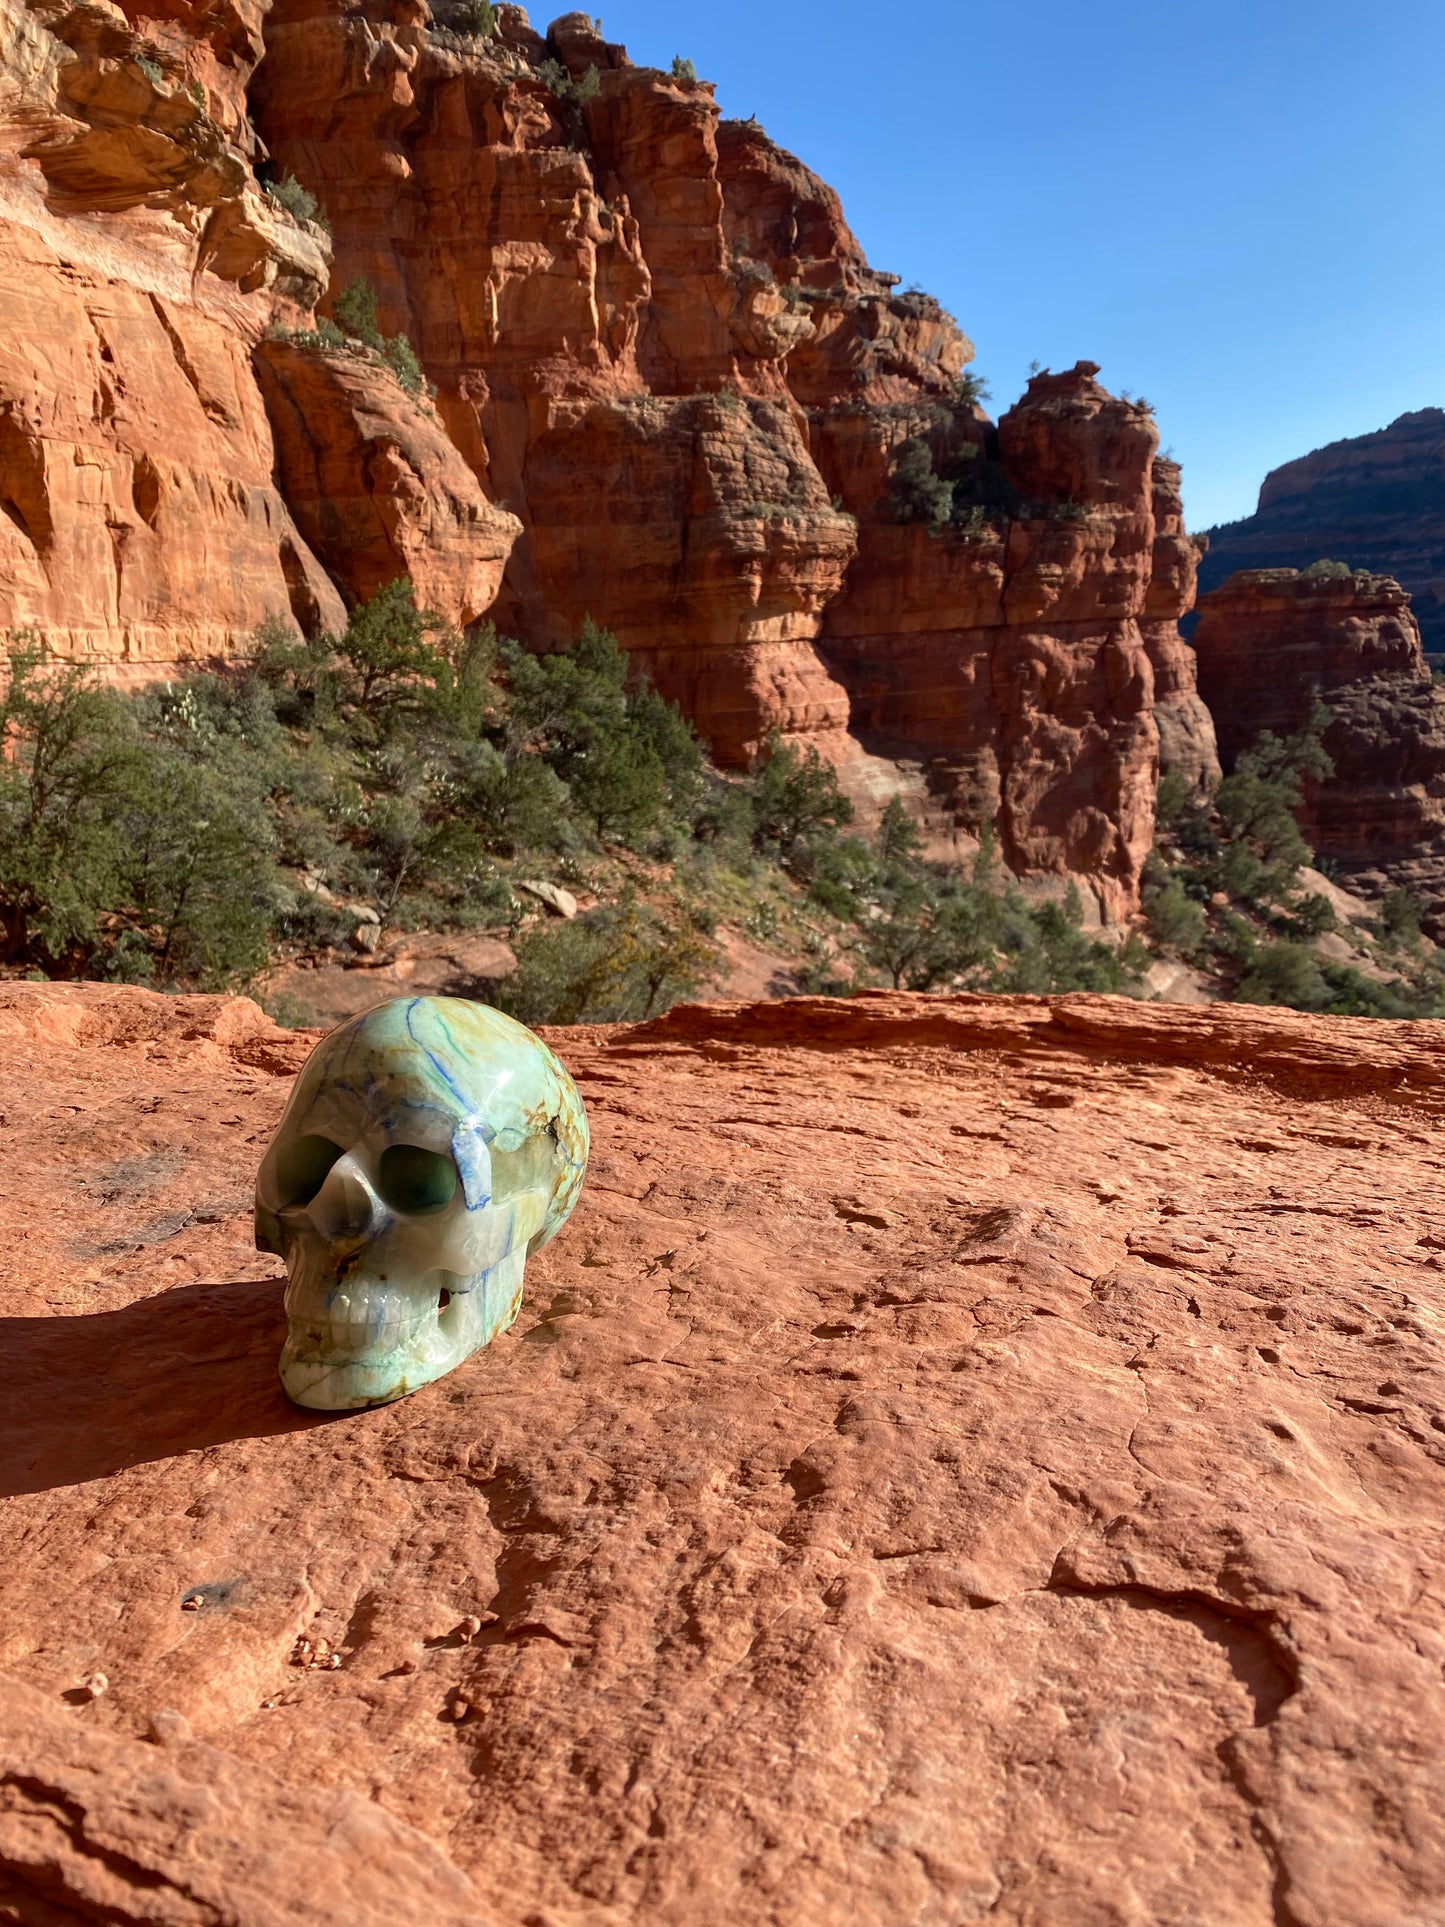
122	853
620	963
797	801
355	312
1285	973
919	493
1177	921
295	200
479	18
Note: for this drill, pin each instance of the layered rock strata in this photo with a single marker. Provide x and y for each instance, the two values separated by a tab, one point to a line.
655	335
144	517
669	393
608	353
909	1493
1375	501
1273	643
1032	658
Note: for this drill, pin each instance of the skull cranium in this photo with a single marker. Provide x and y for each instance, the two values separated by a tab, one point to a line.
428	1147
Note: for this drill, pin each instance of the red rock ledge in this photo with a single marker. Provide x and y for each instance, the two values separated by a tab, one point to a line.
966	1459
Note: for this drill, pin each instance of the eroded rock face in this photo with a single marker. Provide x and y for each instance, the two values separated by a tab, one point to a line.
375	484
658	353
606	352
1273	642
1375	501
139	519
897	1432
1186	729
1034	664
655	334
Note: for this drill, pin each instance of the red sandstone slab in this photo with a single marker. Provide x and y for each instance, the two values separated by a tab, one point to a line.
967	1459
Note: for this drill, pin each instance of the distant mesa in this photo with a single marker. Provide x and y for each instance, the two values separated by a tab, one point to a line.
1376	502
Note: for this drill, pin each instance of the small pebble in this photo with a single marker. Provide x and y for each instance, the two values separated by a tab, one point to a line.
96	1685
192	1602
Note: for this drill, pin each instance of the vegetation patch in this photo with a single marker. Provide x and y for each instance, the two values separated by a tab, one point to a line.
249	813
299	202
1222	891
355	312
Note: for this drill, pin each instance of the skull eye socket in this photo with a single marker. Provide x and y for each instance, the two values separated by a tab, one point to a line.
415	1181
301	1169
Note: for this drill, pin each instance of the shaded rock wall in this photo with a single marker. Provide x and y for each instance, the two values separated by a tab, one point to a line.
1270	644
1374	501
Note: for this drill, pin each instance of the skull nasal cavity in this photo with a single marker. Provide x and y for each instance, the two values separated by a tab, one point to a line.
301	1168
414	1181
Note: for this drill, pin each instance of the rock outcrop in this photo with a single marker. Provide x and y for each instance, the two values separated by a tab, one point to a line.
655	335
669	394
1031	659
141	522
1271	644
967	1459
1375	501
142	516
375	484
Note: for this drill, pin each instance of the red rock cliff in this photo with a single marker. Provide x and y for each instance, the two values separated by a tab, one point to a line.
1032	659
670	394
146	511
1271	643
1375	501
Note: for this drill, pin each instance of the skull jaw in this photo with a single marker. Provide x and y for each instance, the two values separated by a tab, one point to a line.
323	1375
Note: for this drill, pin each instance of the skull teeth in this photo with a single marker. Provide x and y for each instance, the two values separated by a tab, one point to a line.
355	1313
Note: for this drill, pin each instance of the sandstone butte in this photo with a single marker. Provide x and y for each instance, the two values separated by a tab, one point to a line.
1375	501
669	394
1271	644
967	1459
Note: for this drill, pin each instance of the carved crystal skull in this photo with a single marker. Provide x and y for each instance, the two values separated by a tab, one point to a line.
428	1147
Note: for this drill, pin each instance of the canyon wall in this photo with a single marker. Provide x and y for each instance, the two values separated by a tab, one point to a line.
1030	658
662	387
1374	501
1271	644
139	515
152	497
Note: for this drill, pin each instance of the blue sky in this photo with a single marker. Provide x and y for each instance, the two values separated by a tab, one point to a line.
1237	208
